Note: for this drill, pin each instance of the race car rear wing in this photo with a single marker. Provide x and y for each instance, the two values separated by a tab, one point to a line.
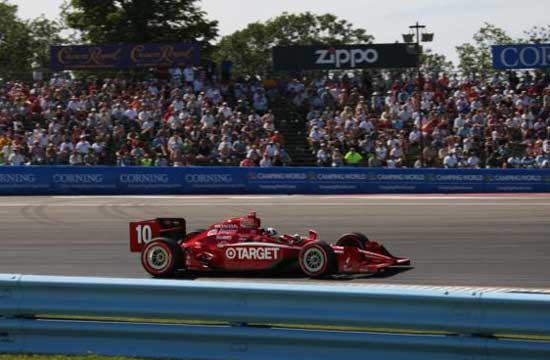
143	232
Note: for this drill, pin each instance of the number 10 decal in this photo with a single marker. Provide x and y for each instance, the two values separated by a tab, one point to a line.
144	234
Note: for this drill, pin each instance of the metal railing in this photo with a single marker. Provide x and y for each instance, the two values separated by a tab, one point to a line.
268	321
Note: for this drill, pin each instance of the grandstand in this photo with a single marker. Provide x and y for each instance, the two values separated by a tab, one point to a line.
501	122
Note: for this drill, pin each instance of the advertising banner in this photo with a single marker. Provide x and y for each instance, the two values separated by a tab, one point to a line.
213	180
123	56
524	56
82	180
22	180
394	181
103	180
296	58
277	180
149	180
339	181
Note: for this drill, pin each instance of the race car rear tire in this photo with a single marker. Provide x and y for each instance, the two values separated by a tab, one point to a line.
354	239
161	258
317	259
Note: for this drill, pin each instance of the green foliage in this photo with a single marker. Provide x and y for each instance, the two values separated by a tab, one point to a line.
14	44
475	59
44	32
23	42
102	21
435	63
538	35
250	48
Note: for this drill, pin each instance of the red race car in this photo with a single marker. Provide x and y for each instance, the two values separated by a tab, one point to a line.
241	244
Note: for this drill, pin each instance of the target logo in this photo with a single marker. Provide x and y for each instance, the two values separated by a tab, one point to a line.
230	253
252	253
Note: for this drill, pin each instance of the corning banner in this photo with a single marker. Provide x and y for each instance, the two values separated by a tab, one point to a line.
143	180
213	180
296	58
524	56
123	56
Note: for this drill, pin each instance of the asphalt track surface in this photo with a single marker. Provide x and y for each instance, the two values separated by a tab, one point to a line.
478	240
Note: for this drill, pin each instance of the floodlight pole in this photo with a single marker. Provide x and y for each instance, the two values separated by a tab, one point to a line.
417	28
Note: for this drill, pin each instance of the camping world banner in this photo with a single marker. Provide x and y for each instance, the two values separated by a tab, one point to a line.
123	56
296	58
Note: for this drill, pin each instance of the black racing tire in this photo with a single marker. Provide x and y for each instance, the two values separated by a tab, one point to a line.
317	259
354	239
162	258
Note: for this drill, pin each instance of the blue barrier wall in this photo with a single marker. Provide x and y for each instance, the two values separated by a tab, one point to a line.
65	180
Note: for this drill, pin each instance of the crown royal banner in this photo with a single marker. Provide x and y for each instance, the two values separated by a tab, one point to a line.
123	56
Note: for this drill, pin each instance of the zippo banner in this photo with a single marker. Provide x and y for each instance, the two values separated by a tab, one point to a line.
524	56
66	180
123	56
296	58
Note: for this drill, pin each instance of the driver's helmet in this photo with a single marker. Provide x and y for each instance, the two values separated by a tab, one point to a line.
271	231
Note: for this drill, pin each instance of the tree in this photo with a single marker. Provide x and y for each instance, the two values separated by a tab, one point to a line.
102	21
537	35
44	33
435	63
15	41
250	49
24	42
475	59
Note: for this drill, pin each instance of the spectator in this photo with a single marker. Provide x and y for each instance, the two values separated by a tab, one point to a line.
266	161
316	135
247	162
146	160
451	160
161	160
473	161
75	158
83	146
337	158
283	158
352	157
324	157
15	157
189	75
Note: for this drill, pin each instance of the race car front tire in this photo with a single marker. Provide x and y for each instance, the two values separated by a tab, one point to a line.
317	259
354	239
161	258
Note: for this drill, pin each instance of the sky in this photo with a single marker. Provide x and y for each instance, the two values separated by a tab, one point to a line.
452	21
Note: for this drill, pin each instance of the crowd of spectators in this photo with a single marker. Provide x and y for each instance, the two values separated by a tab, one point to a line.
497	122
178	117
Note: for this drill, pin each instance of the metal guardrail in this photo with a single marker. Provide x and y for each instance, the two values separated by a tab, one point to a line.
470	320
